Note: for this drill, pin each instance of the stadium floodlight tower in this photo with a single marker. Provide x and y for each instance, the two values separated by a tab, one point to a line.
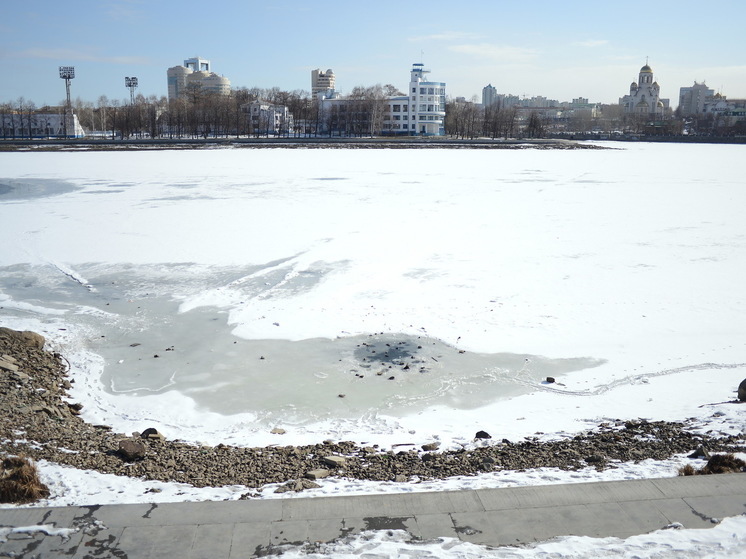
131	83
67	73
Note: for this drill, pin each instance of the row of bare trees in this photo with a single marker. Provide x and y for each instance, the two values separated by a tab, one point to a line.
203	114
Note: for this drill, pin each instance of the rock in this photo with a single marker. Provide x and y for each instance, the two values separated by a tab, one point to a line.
318	474
482	435
400	478
742	391
31	339
21	377
278	431
595	459
152	434
7	365
334	461
297	485
75	408
550	380
429	447
132	450
701	452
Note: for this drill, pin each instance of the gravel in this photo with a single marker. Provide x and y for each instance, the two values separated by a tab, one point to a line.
37	421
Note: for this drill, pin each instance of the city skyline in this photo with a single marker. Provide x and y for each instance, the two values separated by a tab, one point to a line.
559	51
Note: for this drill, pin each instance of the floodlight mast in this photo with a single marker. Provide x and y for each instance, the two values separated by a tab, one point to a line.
131	83
67	73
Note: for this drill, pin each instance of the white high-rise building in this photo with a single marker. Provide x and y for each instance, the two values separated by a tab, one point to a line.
322	82
195	71
197	64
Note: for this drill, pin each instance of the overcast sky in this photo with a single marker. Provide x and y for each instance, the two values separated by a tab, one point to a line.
558	49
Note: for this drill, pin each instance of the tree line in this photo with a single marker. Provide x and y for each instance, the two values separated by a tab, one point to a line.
203	114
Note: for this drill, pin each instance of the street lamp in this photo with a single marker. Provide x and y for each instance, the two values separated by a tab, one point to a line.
131	83
67	73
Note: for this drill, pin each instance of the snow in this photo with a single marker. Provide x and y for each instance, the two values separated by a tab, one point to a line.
725	540
619	268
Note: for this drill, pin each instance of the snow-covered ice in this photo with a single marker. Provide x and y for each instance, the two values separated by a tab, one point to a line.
256	275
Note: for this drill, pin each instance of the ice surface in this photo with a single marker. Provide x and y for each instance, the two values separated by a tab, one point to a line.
257	276
618	272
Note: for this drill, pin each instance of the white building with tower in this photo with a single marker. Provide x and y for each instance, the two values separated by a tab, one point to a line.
644	96
422	111
195	73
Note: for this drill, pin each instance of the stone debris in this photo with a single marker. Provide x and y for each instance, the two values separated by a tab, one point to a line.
37	421
318	474
297	485
334	461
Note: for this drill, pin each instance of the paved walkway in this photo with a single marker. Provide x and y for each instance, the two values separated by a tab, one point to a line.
232	529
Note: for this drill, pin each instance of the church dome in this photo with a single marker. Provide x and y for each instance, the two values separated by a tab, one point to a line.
646	69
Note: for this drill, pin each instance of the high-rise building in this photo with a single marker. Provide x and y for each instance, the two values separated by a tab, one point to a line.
197	64
322	82
692	99
489	95
196	73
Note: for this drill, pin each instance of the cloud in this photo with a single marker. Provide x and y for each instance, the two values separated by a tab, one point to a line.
82	55
590	43
500	53
445	36
124	10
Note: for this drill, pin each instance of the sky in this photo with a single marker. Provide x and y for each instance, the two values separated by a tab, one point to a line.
560	50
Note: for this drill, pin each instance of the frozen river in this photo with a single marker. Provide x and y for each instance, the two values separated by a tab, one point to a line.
367	294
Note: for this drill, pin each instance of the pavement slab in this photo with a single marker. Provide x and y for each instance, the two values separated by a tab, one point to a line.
252	528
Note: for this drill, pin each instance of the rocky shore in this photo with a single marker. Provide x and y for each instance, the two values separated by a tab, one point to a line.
37	421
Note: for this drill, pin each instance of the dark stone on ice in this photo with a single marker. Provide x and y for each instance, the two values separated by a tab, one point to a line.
132	450
701	452
482	435
550	380
152	433
742	391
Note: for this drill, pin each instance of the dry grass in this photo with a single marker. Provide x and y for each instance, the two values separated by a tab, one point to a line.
19	481
717	464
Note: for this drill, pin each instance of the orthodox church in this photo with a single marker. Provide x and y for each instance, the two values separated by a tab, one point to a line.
644	96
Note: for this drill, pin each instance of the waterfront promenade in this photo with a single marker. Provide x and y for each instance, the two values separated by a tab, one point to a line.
493	517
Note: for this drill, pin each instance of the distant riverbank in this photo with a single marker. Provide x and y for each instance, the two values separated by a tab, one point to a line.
348	143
